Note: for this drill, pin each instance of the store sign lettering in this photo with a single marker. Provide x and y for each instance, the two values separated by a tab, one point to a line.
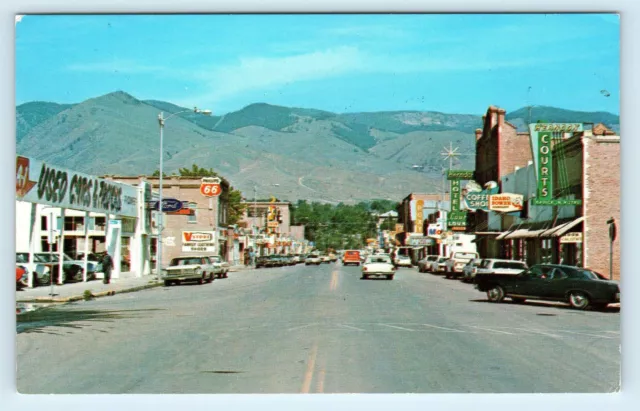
544	166
64	188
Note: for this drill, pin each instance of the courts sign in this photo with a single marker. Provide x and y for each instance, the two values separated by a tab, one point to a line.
40	182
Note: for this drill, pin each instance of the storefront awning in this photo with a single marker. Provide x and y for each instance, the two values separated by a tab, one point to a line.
533	233
562	228
520	233
503	235
488	232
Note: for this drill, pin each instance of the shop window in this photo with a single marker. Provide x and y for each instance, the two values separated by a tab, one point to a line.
43	223
101	223
125	254
192	218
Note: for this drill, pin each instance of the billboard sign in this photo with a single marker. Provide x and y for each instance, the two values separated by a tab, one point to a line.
506	202
40	182
198	241
476	197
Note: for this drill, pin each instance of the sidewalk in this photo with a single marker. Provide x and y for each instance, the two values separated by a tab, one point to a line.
75	291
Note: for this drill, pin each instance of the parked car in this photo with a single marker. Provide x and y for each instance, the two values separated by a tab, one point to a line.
188	269
351	257
302	258
438	266
41	272
94	258
72	270
378	265
457	261
313	259
22	277
580	287
325	259
333	257
424	264
470	269
263	262
498	266
401	261
220	267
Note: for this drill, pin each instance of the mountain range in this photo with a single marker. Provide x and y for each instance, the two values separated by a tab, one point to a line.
292	153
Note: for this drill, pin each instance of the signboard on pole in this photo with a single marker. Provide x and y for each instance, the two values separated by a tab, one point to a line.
169	205
421	241
419	216
40	182
210	187
198	241
460	175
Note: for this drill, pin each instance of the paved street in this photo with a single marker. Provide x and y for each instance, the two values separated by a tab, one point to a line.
316	330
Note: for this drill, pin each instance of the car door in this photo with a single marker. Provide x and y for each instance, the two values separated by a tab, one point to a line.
537	282
554	285
528	282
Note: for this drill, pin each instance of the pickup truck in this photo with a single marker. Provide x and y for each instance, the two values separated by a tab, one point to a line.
579	287
455	264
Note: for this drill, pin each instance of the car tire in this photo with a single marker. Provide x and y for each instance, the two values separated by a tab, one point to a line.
495	294
390	277
578	300
226	275
167	283
517	300
364	277
210	279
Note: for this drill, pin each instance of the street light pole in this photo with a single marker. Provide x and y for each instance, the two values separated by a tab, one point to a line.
161	121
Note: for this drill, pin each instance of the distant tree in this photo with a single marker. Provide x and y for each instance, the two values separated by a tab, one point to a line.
196	171
157	174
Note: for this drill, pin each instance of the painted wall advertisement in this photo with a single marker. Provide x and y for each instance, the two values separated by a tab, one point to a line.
42	183
542	135
198	241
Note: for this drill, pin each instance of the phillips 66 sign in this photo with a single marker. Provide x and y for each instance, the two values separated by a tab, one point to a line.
210	187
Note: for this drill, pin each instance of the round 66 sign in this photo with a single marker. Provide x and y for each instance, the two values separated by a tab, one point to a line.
210	187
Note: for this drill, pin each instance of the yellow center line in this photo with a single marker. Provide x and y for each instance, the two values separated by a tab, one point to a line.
308	376
320	383
334	281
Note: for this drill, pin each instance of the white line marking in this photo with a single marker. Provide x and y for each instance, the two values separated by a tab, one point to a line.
537	332
442	328
489	329
590	335
399	328
348	326
302	326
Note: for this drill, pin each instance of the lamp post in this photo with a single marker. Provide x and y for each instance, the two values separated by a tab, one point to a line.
161	121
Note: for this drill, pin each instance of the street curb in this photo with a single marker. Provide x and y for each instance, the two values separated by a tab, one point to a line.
96	295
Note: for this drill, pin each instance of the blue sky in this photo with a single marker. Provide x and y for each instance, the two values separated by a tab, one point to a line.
339	63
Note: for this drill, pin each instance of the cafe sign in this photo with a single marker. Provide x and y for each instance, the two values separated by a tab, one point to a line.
40	182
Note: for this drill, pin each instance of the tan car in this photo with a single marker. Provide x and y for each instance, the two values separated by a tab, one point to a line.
183	269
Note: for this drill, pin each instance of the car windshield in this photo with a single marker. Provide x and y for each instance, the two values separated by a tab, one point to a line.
185	261
462	256
442	259
379	259
517	265
477	263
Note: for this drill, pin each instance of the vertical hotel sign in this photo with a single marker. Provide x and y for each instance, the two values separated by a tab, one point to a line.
457	217
419	216
541	135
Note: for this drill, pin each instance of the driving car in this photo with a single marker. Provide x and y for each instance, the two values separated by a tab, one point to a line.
438	266
402	261
313	259
577	286
351	257
423	265
188	269
470	269
378	265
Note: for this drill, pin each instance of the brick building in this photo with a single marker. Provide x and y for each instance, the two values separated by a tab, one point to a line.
588	164
202	214
270	237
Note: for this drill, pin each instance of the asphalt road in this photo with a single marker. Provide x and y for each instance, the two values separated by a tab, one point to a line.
316	330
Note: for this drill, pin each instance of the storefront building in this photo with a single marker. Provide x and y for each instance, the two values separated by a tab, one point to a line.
586	174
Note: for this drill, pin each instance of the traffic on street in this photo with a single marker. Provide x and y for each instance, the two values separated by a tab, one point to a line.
317	329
